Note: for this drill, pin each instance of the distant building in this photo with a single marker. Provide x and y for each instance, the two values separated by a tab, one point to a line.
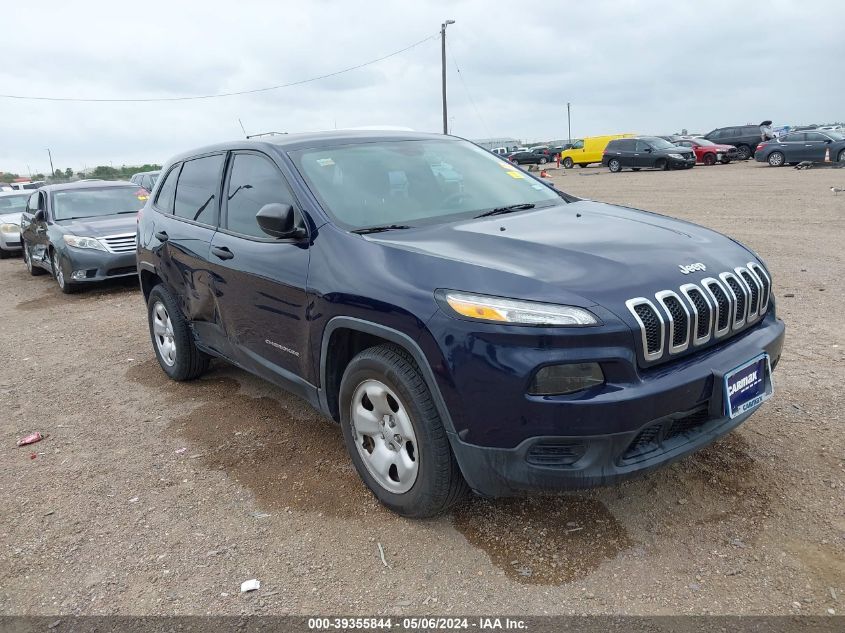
490	143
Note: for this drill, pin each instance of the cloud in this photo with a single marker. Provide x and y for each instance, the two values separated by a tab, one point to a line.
651	67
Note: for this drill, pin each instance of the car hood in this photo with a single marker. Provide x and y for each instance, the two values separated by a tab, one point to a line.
100	226
14	218
583	252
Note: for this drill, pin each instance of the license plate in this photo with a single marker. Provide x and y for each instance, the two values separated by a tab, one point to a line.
748	386
718	157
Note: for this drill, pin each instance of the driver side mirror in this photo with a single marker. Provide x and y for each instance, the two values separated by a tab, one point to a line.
278	220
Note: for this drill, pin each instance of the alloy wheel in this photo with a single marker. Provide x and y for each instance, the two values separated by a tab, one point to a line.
57	270
163	333
384	436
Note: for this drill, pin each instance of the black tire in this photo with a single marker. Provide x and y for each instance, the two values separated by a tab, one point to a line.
744	152
662	164
27	260
841	157
614	165
725	160
439	484
543	160
190	362
60	273
776	159
568	163
709	159
4	254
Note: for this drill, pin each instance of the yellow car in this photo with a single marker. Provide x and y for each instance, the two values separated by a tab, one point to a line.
588	150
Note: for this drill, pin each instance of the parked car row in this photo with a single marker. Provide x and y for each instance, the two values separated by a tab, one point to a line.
469	326
797	147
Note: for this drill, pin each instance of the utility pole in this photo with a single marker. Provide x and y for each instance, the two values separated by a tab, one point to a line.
52	171
568	123
443	69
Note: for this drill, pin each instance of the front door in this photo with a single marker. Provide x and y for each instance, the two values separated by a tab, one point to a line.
34	227
815	147
642	155
259	281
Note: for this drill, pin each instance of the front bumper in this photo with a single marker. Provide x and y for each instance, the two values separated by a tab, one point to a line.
10	241
676	163
88	265
509	443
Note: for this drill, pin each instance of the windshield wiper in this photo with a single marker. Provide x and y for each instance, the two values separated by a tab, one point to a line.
508	209
380	229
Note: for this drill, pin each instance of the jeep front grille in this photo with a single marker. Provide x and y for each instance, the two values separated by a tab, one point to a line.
718	307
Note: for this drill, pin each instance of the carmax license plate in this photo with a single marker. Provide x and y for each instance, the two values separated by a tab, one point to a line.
749	385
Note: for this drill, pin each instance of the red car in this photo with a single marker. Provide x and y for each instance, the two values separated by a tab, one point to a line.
708	152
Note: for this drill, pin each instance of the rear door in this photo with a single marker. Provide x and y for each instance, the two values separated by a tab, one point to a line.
187	206
259	281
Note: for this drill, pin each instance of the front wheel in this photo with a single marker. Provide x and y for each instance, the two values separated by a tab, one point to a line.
394	434
567	163
709	159
172	339
543	160
776	159
662	164
59	274
841	157
614	165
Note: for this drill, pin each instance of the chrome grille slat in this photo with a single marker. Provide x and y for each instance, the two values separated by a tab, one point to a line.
123	243
679	321
714	308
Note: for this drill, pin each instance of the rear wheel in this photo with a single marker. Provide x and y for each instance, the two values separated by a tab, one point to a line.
394	434
709	159
567	163
4	254
776	159
614	165
743	152
27	260
725	160
543	160
172	339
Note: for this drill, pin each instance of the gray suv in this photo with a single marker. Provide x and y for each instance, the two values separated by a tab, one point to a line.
744	137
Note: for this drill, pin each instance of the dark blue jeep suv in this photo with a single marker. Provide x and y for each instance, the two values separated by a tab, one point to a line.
467	325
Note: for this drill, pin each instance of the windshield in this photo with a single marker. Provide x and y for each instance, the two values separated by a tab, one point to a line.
704	142
836	136
92	203
11	204
659	143
414	182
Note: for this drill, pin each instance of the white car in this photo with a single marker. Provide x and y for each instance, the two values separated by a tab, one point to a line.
12	204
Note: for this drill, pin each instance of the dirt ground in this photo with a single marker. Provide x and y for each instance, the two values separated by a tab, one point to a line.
112	517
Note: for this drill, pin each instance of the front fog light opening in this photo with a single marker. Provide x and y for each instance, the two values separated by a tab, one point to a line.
80	274
556	380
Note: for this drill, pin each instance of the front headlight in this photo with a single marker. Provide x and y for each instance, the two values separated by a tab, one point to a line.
678	156
498	309
10	228
78	241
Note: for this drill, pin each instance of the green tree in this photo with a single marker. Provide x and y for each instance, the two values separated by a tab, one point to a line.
68	173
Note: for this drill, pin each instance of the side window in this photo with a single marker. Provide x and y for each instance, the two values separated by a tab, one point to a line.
578	145
815	137
196	190
165	196
795	137
642	146
32	204
253	182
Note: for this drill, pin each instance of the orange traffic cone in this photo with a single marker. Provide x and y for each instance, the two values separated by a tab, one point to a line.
827	155
544	174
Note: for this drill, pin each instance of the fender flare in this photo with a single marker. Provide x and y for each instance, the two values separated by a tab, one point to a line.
394	336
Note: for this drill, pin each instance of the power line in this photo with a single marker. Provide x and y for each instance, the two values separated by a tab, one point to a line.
469	96
223	94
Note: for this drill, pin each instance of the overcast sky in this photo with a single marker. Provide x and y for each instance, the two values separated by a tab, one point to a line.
626	66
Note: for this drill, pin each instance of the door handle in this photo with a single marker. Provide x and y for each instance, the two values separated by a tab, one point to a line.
162	236
222	252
